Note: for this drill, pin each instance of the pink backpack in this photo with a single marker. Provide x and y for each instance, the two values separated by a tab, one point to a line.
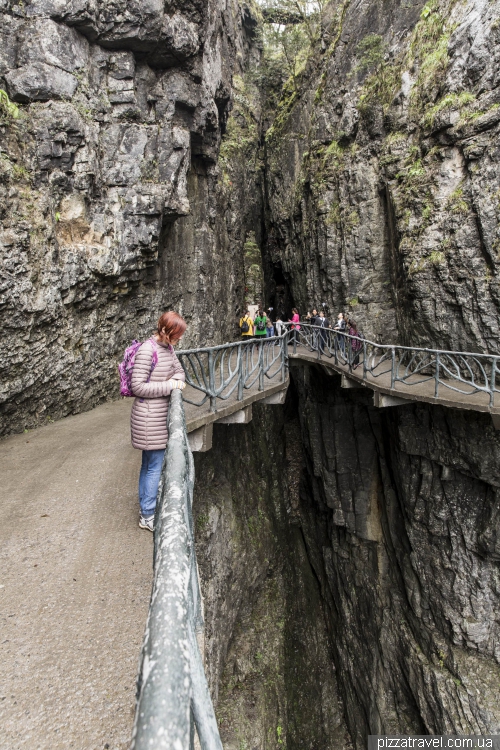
125	368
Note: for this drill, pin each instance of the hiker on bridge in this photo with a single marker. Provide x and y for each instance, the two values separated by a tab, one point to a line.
322	335
340	328
294	320
246	325
269	324
260	323
312	319
355	344
156	373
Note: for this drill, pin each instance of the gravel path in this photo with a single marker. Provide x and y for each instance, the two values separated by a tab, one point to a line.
75	577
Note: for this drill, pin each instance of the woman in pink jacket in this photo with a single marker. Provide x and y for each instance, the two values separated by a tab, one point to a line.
295	327
152	388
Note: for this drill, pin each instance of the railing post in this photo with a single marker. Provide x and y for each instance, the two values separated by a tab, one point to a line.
436	377
393	367
261	365
349	354
211	381
284	356
493	380
364	360
294	340
240	373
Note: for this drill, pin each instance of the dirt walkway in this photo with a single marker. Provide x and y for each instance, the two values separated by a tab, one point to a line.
75	577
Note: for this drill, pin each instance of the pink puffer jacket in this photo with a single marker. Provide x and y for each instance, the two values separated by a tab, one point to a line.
148	420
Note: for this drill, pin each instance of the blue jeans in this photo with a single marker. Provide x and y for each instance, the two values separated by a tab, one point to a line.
149	479
269	332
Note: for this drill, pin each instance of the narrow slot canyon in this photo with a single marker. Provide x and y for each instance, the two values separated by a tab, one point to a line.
209	157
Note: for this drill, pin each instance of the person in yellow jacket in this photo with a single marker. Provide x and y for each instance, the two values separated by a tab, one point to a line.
246	325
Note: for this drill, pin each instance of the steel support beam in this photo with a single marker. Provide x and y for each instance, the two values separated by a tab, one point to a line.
346	382
381	400
275	398
200	440
243	416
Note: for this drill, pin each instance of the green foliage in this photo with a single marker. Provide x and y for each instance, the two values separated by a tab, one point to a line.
372	50
202	522
352	221
354	302
10	170
334	150
469	116
436	257
287	49
242	132
254	275
448	102
334	215
428	52
284	108
456	202
279	734
8	108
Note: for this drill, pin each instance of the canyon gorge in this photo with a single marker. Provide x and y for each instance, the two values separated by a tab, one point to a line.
160	156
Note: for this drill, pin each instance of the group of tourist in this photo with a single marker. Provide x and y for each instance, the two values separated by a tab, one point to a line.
262	326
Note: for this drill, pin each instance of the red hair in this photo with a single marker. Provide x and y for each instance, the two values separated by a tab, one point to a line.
170	326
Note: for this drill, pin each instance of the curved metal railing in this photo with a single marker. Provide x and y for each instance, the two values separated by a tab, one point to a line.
462	372
217	372
172	691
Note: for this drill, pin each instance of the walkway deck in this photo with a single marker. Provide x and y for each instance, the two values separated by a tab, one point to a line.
382	384
75	583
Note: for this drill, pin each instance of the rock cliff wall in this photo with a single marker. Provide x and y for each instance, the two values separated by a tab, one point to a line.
349	555
110	205
381	177
382	201
268	647
400	514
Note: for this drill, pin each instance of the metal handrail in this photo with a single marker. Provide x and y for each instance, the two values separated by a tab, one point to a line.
462	372
218	371
172	690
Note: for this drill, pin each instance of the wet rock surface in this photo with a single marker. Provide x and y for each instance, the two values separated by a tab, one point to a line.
381	177
268	650
380	191
400	515
109	192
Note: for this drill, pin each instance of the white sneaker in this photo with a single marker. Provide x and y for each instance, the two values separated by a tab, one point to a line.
147	522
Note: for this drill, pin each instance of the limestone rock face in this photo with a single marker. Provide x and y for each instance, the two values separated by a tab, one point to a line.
109	190
400	515
382	182
269	652
382	201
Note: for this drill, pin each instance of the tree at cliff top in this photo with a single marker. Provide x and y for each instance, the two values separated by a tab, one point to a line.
291	29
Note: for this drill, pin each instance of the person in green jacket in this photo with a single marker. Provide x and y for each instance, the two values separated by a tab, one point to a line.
259	324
